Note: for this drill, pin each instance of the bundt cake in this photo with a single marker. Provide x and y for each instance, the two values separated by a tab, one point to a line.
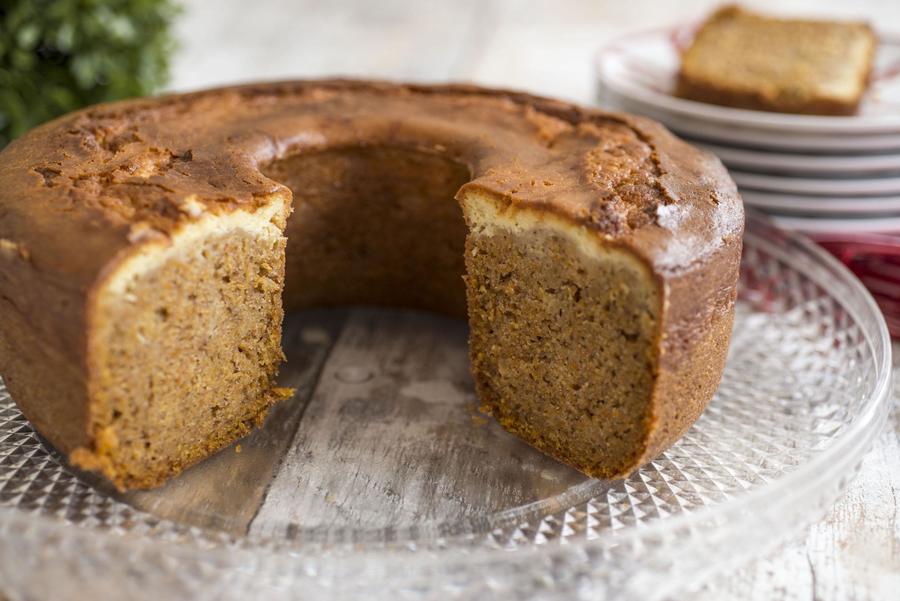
148	249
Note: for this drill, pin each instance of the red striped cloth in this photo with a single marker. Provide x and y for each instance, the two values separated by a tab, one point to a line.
875	259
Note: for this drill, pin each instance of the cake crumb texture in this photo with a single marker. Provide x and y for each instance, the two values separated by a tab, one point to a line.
563	344
184	358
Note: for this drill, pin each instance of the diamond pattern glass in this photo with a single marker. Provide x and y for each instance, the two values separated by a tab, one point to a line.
805	391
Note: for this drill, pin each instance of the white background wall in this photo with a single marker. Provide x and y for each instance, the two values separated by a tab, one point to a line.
544	46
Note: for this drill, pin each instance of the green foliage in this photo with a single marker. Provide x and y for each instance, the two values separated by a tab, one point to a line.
60	55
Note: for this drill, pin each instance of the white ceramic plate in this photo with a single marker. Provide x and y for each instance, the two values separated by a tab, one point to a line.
822	165
815	225
813	206
872	186
643	67
740	135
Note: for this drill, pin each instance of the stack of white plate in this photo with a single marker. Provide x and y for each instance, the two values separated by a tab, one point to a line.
811	173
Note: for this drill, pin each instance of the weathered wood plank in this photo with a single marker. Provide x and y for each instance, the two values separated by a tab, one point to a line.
385	39
392	436
196	497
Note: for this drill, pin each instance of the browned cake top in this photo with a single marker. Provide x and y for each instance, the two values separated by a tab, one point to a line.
79	189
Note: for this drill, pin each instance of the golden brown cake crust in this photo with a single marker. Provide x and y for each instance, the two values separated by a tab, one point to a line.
103	179
81	193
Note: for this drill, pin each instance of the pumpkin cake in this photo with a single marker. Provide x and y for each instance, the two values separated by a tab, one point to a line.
149	249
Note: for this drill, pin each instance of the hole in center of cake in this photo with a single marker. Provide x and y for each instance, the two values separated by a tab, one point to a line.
376	226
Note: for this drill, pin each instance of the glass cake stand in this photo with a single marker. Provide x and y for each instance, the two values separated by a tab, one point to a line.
383	482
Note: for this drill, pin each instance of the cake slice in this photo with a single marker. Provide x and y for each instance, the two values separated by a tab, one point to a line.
742	59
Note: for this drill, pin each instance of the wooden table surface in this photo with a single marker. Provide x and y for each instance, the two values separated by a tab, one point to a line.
547	47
